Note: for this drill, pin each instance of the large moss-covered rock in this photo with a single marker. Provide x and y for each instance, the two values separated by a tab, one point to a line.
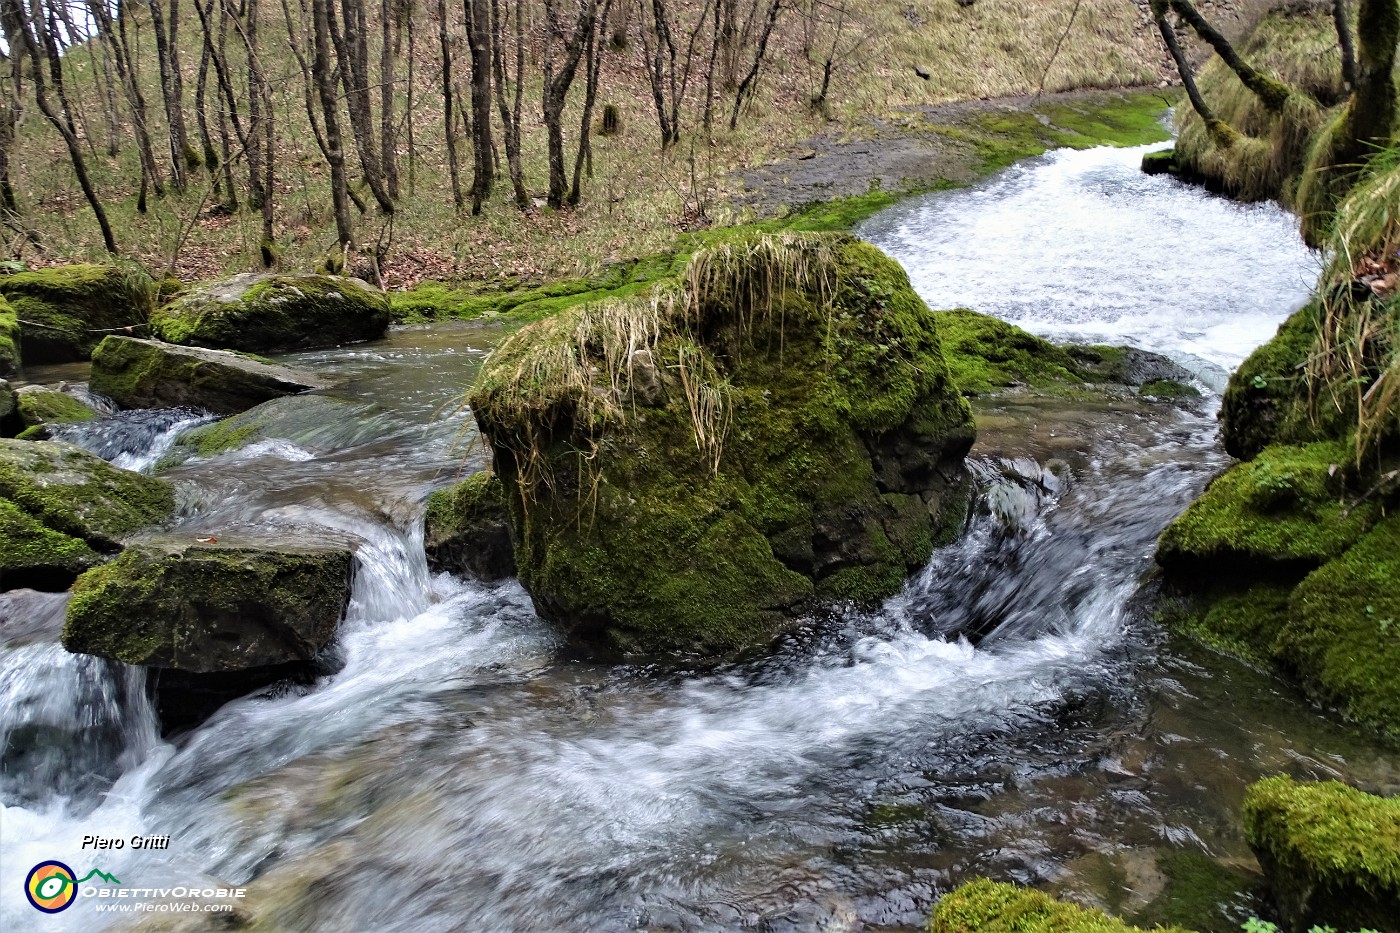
64	311
984	906
684	472
63	507
1331	854
1287	511
151	374
9	339
1342	635
1261	403
263	313
466	529
210	608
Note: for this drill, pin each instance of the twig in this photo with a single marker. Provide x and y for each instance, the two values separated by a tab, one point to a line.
1056	53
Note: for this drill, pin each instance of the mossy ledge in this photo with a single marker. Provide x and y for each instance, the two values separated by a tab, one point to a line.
466	529
984	906
684	472
1331	853
63	312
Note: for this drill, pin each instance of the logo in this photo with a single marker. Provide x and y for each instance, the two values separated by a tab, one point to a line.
53	886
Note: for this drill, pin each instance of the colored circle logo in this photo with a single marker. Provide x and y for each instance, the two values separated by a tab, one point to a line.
51	887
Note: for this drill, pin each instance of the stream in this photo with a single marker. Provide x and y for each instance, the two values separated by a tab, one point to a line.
463	770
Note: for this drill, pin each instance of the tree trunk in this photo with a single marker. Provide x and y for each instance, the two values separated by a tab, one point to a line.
448	119
478	16
746	85
510	116
326	81
167	57
558	76
388	156
1272	93
352	48
593	66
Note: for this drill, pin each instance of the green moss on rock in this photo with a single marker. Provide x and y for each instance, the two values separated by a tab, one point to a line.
9	340
78	494
1160	162
985	354
466	529
1343	638
1331	853
1283	512
683	472
263	313
206	609
1169	389
1259	406
38	406
36	556
64	311
984	906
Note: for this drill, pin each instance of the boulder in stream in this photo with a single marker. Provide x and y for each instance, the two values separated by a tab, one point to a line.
466	530
65	311
62	509
151	374
37	407
1330	853
318	422
210	608
267	313
686	471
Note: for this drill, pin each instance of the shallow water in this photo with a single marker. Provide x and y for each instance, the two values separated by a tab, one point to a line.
463	770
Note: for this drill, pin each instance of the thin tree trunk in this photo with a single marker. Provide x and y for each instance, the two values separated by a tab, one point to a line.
593	66
352	49
1346	42
167	59
326	80
479	43
448	119
1221	132
388	157
746	86
1272	93
510	115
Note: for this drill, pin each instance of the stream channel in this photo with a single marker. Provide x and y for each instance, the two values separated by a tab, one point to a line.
464	770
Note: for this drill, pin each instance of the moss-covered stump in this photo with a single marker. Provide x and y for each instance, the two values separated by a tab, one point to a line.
1342	638
466	529
262	313
684	472
1331	853
984	906
62	508
65	311
10	358
210	608
1160	162
1284	513
38	406
151	374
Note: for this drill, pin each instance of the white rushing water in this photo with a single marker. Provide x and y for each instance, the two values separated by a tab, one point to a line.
461	770
1081	246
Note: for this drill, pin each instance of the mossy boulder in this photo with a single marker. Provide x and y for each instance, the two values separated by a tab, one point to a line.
10	424
38	406
984	906
64	507
684	472
1260	405
63	312
466	529
210	608
9	340
1331	853
263	313
151	374
1285	512
1342	637
1159	162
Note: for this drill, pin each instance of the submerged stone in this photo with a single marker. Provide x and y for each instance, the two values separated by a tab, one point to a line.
263	313
151	374
790	432
466	529
63	508
65	311
321	422
210	608
1330	853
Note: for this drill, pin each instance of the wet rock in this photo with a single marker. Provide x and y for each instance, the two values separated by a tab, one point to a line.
207	608
261	313
62	509
65	311
1330	853
1127	366
151	374
318	422
38	406
1161	162
807	443
467	529
10	424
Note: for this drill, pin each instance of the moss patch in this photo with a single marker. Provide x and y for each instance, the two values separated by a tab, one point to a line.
1331	853
1260	403
466	529
9	340
33	555
683	472
1199	895
1283	512
64	311
45	406
1343	640
985	906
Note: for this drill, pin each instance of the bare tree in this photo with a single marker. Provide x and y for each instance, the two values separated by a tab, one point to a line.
510	116
325	76
562	54
182	156
746	86
478	16
449	119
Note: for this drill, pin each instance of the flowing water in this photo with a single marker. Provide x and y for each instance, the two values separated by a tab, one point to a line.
462	770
